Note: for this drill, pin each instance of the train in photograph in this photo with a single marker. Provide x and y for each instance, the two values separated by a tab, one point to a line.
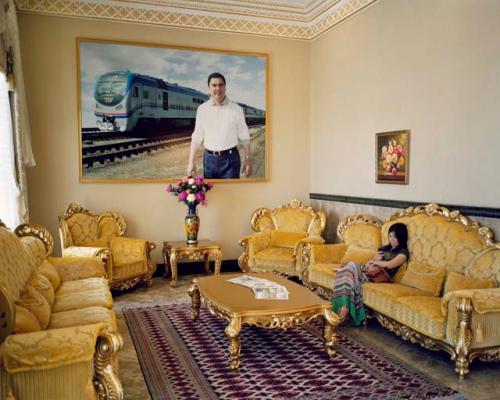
129	102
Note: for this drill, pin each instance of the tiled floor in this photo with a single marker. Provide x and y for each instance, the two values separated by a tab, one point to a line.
483	383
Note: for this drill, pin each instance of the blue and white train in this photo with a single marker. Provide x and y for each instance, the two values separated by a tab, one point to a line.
126	102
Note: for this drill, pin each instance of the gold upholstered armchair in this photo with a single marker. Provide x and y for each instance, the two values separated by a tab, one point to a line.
84	233
279	238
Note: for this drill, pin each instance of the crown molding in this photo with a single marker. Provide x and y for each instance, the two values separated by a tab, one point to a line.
291	19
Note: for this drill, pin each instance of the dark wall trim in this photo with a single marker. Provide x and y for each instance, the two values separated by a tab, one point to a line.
467	210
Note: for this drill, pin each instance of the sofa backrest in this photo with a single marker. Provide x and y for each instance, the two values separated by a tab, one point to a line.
361	231
439	237
15	265
486	264
291	217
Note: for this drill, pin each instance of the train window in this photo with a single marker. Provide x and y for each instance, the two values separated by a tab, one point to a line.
135	93
145	94
165	100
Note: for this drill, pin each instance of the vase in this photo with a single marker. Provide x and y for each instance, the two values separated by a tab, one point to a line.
192	225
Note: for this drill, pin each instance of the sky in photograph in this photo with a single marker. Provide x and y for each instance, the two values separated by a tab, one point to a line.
245	75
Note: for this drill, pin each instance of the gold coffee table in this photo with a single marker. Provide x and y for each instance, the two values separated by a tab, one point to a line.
173	252
237	304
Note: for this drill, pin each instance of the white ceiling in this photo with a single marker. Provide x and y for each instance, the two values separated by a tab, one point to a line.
298	19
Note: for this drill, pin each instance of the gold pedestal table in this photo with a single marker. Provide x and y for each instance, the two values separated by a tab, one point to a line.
173	252
237	304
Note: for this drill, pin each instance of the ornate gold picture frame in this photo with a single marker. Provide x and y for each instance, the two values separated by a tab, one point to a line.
392	158
137	105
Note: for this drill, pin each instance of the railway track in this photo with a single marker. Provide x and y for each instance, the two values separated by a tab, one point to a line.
96	135
125	149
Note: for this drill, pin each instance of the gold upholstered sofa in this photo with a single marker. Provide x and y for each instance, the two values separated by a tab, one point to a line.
446	297
58	335
85	233
279	238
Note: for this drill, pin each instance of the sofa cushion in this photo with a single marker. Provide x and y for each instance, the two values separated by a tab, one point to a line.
382	296
33	300
456	281
83	316
82	285
48	270
275	258
43	285
425	277
422	313
88	298
286	239
358	255
25	321
323	274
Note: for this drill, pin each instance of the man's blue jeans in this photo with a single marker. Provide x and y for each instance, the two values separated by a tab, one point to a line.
225	166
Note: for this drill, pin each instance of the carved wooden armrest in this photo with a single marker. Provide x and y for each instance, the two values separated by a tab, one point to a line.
58	348
255	242
482	300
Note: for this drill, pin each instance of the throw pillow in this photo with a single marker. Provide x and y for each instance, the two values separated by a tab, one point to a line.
286	239
43	285
456	281
357	255
36	303
25	322
48	270
424	277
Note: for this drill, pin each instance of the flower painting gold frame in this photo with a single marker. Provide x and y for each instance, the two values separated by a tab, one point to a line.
137	106
392	160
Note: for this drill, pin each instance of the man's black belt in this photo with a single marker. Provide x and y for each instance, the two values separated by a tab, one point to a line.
221	152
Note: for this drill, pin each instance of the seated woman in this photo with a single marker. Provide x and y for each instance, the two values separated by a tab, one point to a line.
347	290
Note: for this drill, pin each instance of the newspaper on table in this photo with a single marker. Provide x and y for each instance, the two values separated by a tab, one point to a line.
263	289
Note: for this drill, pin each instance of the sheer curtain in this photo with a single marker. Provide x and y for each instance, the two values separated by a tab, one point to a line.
15	142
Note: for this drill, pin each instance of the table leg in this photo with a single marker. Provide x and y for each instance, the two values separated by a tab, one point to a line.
218	262
173	266
194	292
207	263
233	333
329	334
166	260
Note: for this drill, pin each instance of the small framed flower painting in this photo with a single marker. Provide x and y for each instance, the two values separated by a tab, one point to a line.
392	157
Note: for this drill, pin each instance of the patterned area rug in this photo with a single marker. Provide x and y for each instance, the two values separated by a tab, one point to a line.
181	359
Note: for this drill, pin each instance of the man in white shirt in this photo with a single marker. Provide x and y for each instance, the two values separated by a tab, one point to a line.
220	123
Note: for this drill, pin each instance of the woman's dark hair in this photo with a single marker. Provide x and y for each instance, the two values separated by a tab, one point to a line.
401	233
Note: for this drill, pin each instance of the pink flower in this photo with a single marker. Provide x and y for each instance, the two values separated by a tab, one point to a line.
185	179
183	196
198	180
200	196
169	188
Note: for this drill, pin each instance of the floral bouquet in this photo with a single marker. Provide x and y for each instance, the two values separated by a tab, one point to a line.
191	191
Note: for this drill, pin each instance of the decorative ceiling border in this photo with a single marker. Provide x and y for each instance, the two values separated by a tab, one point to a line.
150	14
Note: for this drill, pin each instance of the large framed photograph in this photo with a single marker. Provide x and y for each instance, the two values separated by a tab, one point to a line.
138	105
392	157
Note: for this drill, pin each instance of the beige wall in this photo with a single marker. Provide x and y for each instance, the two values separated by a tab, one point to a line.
431	66
49	58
